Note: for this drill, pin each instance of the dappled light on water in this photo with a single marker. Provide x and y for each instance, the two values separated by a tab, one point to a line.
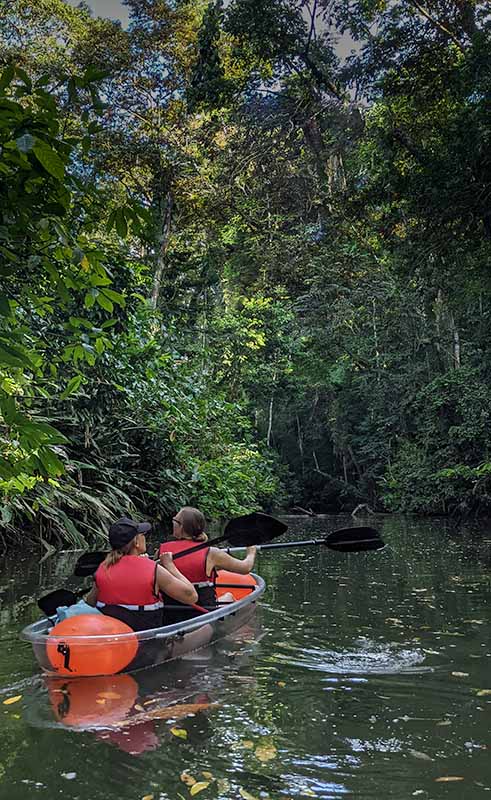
360	676
366	657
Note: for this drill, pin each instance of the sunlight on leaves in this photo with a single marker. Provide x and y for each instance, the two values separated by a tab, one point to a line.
187	778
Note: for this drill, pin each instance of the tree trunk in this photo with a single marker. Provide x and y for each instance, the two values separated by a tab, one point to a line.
164	217
270	421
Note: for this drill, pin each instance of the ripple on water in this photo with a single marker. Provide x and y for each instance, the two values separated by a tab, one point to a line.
364	657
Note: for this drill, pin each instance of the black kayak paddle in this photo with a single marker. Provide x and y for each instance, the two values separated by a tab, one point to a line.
344	540
249	529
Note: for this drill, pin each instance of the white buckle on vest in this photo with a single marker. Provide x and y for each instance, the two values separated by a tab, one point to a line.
203	584
152	607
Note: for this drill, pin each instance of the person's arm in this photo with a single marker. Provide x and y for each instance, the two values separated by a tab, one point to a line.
219	559
91	597
172	582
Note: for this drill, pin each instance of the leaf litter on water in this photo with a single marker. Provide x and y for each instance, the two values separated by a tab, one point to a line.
10	700
198	787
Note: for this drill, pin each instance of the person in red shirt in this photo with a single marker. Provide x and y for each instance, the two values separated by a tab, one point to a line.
188	529
128	584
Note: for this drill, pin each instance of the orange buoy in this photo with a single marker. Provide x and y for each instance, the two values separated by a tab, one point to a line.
226	577
90	644
85	702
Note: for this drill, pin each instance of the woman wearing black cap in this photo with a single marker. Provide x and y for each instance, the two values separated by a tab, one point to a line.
128	586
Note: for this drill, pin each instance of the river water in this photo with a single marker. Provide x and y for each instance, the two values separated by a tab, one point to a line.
363	675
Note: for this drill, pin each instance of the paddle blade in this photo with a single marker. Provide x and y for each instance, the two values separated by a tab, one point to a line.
60	597
88	562
253	529
354	540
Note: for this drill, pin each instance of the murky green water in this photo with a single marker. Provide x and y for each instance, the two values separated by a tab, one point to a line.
364	675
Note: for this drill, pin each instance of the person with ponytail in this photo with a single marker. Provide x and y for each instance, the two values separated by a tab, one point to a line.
128	584
188	529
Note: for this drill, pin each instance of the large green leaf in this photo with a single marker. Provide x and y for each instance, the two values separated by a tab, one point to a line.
72	386
49	159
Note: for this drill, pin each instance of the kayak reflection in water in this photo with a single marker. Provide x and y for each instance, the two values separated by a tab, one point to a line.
188	526
119	710
128	586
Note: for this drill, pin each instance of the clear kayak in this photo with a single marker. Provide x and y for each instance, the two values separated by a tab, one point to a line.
77	654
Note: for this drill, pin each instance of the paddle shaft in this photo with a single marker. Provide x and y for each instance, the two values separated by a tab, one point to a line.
305	543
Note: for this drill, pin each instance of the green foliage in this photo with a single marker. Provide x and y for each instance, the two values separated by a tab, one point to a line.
47	266
225	280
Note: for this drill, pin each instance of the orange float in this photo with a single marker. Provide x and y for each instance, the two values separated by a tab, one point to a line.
226	577
86	702
90	644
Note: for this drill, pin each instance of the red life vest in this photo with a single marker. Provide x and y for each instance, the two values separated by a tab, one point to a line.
130	582
193	567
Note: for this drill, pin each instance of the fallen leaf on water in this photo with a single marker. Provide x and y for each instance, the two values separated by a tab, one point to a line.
246	795
281	683
148	797
109	695
187	778
181	733
265	752
448	779
246	743
421	756
198	787
460	674
208	776
483	692
10	700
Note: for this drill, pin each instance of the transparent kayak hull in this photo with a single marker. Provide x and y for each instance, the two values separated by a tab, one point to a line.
88	655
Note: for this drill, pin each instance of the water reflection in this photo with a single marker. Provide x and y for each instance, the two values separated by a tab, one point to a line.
368	677
133	711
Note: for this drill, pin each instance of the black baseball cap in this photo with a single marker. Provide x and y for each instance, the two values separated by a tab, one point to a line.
124	530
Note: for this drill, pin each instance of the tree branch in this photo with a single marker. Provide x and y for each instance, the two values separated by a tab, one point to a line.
437	24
